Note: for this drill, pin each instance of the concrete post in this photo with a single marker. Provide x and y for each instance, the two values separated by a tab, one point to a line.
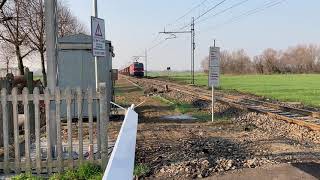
51	40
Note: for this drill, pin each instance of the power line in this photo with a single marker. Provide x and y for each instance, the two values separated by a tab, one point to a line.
210	10
178	19
223	11
190	11
203	14
267	5
158	44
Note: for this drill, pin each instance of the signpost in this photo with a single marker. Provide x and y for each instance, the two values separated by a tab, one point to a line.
98	37
214	72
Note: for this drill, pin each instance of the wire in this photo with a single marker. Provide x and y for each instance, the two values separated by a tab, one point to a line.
188	12
203	14
210	10
223	11
250	12
177	20
158	44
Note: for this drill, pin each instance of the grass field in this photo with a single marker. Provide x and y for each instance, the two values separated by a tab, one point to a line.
303	88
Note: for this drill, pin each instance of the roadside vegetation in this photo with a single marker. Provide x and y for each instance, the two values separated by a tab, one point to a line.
84	172
190	109
302	88
141	170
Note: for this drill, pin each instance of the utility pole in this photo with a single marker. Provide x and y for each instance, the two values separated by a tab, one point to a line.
95	14
192	32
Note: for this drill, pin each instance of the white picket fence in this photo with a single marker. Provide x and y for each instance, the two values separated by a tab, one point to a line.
30	149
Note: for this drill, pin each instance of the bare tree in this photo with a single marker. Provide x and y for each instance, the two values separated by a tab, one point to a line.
12	31
35	27
236	62
68	24
2	3
2	19
33	12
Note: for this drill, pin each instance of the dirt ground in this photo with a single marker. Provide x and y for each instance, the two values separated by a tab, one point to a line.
244	146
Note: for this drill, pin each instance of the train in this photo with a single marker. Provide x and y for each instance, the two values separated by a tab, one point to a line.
136	69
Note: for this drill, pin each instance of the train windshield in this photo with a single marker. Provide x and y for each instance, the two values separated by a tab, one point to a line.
138	65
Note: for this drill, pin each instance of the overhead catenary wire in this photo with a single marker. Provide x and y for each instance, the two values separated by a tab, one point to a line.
203	14
267	5
223	11
177	20
198	17
190	11
234	19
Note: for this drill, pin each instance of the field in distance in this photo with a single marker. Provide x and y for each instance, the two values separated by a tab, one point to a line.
303	88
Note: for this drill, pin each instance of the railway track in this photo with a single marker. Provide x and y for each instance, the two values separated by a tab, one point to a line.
302	117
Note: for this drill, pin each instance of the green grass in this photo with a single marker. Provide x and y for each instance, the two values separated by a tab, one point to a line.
141	170
303	88
86	171
177	106
187	108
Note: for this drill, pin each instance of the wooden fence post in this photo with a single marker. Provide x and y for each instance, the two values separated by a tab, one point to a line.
58	122
80	124
37	128
48	129
103	124
27	142
16	130
29	78
5	129
90	114
69	122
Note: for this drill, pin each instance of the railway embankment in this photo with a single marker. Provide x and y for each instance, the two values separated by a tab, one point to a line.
236	141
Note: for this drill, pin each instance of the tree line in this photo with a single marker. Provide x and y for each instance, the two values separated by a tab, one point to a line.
296	59
22	30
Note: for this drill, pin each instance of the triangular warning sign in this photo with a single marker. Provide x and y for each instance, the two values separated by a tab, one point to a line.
98	31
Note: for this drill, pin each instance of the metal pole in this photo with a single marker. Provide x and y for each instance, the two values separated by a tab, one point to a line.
146	57
212	101
95	14
192	50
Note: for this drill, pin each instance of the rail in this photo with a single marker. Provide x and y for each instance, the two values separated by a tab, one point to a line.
121	162
302	117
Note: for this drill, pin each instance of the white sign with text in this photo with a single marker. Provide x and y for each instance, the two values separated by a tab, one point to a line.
98	37
214	66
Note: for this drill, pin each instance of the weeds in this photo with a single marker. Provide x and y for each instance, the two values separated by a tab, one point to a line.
141	170
86	171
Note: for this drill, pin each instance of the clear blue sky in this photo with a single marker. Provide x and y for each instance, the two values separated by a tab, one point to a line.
132	25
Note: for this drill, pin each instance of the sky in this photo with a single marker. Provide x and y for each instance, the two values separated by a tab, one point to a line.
133	26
